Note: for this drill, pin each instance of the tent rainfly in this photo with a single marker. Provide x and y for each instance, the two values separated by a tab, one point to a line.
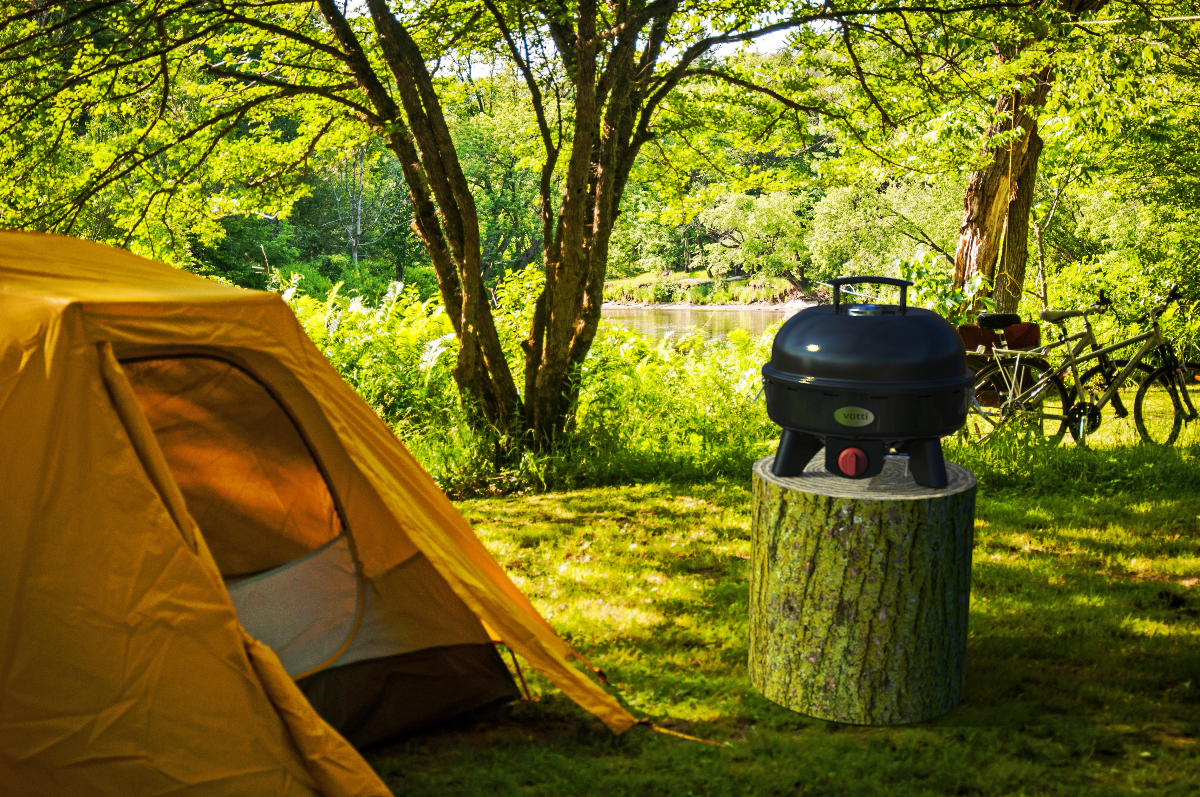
218	564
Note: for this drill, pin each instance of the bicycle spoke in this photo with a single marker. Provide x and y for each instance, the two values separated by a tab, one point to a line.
1025	396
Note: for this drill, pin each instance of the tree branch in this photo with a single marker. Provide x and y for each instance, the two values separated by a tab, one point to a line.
862	79
326	92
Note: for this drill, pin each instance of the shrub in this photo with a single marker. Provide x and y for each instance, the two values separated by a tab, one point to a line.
933	288
395	353
679	410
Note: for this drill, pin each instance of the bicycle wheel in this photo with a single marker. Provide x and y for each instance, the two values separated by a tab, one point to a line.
1117	426
1157	410
1026	398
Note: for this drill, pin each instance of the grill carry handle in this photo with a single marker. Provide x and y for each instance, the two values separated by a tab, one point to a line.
837	284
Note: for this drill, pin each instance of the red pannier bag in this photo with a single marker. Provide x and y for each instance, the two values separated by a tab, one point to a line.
975	336
1022	336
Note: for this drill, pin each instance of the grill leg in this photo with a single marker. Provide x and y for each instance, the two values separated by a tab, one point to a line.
925	462
795	451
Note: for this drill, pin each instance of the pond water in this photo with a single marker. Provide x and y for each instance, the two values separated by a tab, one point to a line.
656	322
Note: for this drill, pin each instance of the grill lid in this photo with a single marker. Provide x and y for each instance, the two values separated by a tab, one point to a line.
874	343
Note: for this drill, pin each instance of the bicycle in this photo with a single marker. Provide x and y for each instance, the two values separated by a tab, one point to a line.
1020	387
1098	378
1046	408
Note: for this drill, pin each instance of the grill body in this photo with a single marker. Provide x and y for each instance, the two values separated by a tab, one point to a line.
860	380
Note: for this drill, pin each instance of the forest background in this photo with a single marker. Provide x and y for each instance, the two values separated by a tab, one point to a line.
443	191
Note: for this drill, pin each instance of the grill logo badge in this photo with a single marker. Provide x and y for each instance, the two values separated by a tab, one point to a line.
854	416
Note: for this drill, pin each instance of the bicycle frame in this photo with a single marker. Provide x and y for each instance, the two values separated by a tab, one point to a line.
1086	339
1153	339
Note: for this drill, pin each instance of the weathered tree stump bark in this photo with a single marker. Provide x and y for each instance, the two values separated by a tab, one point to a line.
859	592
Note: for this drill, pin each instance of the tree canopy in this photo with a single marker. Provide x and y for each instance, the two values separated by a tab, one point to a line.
519	131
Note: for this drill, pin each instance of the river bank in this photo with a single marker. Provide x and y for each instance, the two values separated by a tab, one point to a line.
657	320
791	307
687	289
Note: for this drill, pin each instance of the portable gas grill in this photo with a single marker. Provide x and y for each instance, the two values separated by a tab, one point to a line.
863	379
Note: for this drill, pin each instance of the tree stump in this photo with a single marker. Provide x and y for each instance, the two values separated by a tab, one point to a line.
859	592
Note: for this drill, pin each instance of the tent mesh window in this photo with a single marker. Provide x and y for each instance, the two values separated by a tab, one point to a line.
248	476
375	659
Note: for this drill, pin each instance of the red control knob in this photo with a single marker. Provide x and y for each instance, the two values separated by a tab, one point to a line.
852	461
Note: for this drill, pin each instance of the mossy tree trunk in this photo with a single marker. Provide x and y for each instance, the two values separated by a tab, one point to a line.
859	593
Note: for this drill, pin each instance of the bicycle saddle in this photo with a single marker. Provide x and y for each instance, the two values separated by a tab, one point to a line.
997	320
1054	316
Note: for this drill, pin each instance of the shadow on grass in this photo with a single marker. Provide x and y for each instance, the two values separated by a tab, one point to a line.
1082	666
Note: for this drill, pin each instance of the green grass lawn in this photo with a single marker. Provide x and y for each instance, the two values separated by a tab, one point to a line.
1083	663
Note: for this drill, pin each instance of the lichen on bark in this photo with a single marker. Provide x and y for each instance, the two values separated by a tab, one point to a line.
858	605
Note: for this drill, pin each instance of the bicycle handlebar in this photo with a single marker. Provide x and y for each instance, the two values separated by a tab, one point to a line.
1104	303
1172	296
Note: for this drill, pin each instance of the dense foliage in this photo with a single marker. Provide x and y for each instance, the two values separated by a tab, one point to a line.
148	123
685	408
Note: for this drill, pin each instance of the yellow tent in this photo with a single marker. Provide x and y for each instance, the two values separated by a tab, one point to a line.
214	553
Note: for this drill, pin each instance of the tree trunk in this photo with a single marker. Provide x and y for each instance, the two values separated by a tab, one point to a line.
1009	282
859	593
610	60
444	212
991	190
611	123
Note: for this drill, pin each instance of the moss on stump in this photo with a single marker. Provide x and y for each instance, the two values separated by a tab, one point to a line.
859	592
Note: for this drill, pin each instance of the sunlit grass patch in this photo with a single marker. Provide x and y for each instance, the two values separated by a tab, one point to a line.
1083	675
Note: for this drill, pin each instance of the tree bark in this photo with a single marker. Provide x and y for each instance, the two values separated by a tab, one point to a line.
992	189
1009	282
859	593
445	215
616	94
